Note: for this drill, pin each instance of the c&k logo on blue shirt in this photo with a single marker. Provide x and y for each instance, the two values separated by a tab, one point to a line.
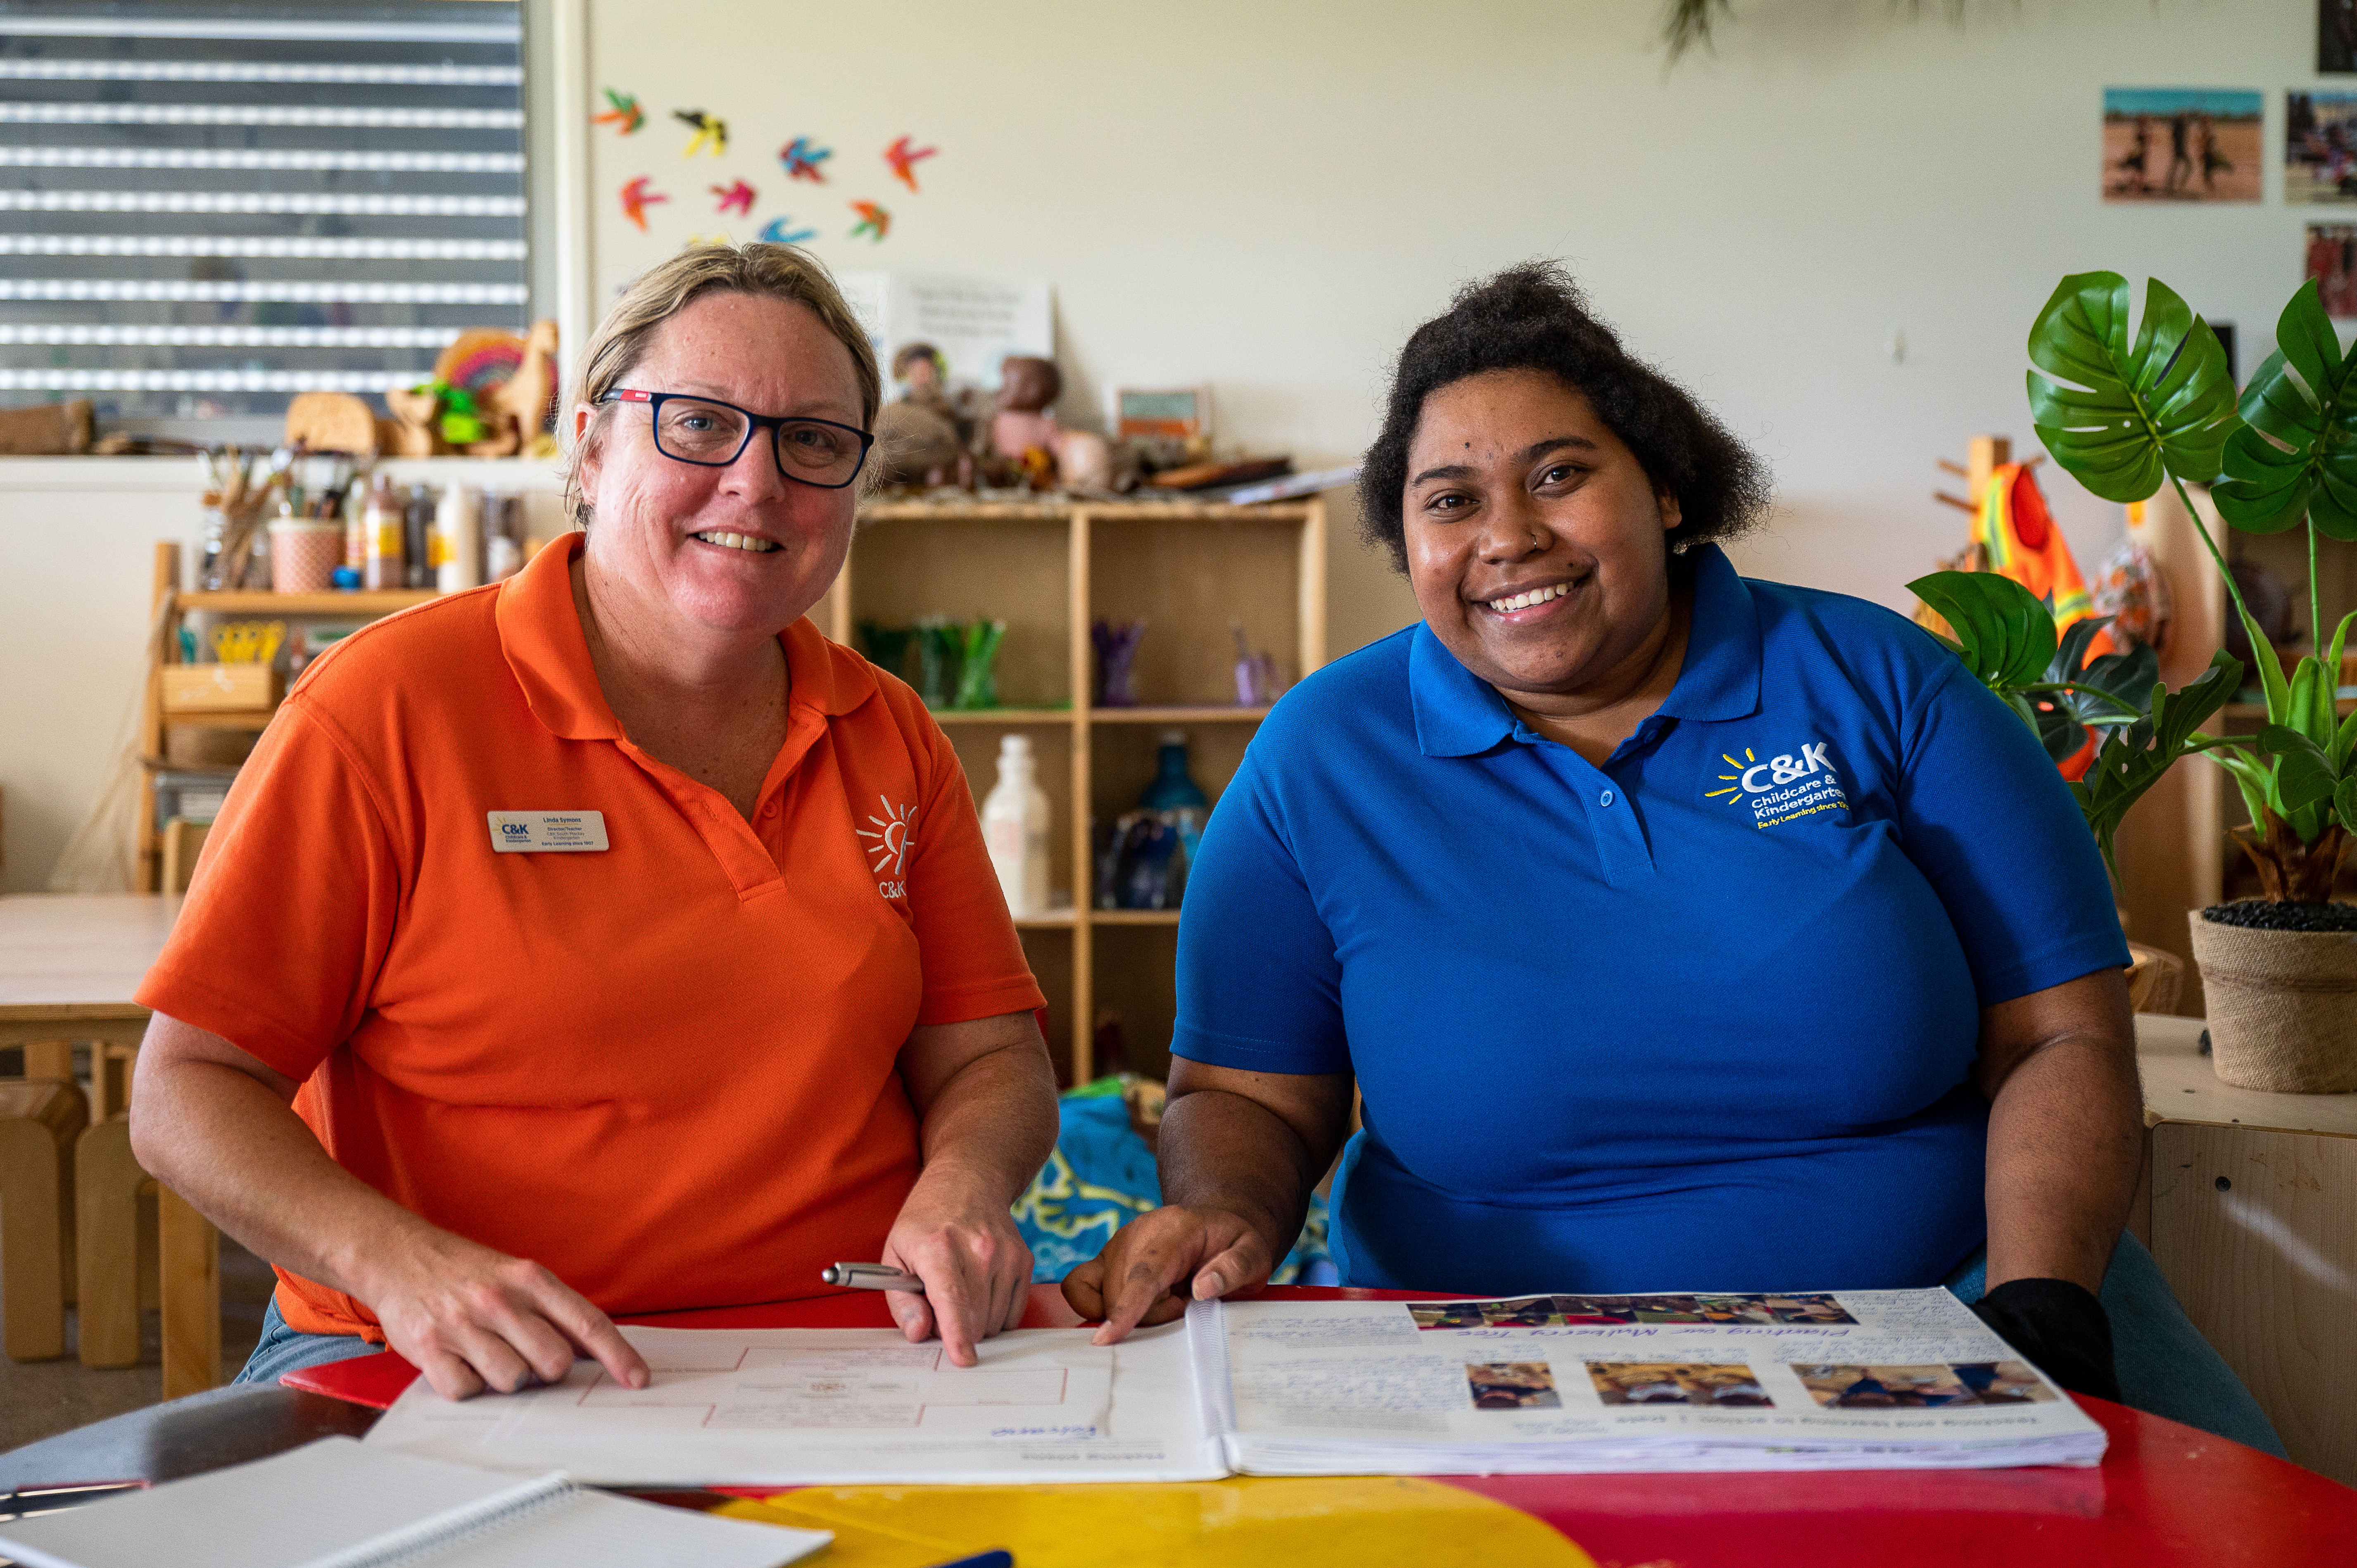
1783	788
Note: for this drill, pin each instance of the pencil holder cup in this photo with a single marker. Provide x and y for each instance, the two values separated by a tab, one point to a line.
303	556
978	685
886	647
940	642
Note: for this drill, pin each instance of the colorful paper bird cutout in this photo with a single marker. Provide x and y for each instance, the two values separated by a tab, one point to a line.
637	199
625	115
781	232
738	195
711	131
903	159
801	159
874	221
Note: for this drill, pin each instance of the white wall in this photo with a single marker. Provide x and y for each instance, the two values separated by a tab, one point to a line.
1268	198
78	539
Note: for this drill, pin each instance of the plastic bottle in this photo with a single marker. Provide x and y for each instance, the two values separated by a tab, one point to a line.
382	565
417	528
503	546
1015	829
1175	796
209	561
354	539
458	526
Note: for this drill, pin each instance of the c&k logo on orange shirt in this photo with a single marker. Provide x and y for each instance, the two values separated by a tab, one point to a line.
892	836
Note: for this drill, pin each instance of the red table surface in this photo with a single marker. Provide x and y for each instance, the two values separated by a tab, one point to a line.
2165	1494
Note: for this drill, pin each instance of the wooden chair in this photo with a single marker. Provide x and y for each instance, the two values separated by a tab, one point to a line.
183	843
142	1245
39	1120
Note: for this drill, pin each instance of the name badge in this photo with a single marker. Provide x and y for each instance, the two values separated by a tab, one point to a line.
547	833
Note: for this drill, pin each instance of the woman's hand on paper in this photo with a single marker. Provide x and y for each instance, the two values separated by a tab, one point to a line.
955	1234
1159	1261
470	1318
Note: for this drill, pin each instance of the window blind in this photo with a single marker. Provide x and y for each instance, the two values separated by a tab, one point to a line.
207	208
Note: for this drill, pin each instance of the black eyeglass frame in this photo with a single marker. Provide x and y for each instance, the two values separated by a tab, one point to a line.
754	425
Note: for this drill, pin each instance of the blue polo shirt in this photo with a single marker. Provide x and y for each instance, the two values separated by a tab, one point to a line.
1702	1018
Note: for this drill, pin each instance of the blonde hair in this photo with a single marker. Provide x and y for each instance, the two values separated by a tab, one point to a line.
663	290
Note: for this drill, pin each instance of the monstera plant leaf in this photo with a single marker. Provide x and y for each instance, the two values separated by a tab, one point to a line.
2296	455
2132	758
2114	690
2164	405
2004	632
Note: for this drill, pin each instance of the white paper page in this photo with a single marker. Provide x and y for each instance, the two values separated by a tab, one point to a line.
335	1498
1911	1372
273	1513
591	1528
776	1407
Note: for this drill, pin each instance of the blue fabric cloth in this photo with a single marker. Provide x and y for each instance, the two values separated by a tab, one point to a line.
1701	1018
282	1349
2165	1367
1100	1177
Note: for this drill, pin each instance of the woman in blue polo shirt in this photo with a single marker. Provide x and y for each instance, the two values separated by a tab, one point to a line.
1681	931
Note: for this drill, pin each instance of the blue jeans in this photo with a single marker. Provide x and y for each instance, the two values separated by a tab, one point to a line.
281	1349
2166	1368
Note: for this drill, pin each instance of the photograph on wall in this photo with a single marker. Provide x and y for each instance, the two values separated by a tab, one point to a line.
2332	262
2320	147
2181	144
2336	37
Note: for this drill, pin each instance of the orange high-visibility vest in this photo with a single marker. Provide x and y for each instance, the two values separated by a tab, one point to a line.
2017	536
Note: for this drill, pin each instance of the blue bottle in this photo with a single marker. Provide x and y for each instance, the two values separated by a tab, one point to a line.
1176	797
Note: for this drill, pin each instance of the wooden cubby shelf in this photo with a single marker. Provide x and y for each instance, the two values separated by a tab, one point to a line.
1047	568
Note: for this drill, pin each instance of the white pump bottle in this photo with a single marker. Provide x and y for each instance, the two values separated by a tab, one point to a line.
1015	829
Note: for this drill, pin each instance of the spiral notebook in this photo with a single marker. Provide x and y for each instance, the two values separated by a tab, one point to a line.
335	1504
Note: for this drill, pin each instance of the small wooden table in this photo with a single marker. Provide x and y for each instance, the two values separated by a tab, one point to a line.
68	965
2250	1205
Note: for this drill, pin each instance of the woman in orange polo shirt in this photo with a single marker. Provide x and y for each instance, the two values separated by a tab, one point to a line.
608	942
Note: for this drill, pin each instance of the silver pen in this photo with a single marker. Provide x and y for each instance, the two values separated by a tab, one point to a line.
870	1276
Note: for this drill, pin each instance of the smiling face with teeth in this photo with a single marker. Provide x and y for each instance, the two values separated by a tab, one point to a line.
732	552
1535	546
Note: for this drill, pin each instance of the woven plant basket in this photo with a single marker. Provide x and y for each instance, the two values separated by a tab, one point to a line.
2282	1005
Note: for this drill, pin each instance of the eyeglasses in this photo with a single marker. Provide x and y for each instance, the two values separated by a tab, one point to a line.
712	434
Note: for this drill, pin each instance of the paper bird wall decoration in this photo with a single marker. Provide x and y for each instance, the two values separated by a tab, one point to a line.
738	195
637	199
625	116
874	221
903	159
711	131
781	232
801	159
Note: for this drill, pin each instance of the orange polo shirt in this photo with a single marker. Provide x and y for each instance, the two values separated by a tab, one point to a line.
667	1070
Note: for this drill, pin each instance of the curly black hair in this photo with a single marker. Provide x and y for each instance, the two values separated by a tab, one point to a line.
1534	318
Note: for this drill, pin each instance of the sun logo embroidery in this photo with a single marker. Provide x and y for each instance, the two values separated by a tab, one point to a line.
1783	788
892	835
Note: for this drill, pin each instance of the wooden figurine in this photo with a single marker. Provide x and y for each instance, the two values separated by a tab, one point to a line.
330	422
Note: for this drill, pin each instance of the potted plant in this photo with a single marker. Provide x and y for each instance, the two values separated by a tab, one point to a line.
2280	973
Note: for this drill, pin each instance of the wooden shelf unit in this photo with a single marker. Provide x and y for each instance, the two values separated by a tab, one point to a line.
172	605
1049	568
